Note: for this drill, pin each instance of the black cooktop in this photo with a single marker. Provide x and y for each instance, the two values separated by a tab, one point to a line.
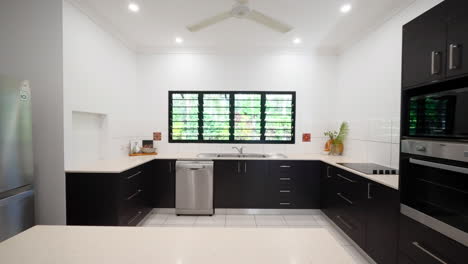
370	168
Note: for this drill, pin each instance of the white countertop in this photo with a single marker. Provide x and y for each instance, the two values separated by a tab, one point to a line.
178	245
123	164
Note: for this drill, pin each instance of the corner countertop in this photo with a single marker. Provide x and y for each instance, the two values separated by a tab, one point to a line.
123	164
173	245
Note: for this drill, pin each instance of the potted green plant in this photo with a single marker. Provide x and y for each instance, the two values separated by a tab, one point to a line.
335	144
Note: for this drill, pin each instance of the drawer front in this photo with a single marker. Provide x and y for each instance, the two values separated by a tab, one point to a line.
286	168
130	208
346	199
403	259
349	219
131	181
424	245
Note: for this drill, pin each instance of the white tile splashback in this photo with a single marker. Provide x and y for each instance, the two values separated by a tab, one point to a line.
373	140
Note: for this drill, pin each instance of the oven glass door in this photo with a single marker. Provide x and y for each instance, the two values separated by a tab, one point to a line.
440	114
436	187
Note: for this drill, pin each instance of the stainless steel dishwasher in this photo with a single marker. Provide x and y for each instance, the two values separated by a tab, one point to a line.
194	187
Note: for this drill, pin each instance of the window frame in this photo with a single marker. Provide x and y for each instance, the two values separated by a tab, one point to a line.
231	117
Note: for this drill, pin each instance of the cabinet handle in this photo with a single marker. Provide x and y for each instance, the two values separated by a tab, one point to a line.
416	244
328	172
285	191
344	222
285	179
134	175
134	195
452	64
435	66
238	167
170	167
285	203
369	185
245	166
345	178
134	218
285	166
344	198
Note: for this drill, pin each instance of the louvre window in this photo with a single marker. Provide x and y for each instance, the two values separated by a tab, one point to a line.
232	117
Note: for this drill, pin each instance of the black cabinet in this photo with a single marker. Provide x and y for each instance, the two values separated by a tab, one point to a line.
366	211
424	245
382	211
226	183
434	45
457	38
293	184
109	199
239	184
164	194
346	200
424	48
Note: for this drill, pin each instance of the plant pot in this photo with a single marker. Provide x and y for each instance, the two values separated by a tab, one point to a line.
336	149
328	145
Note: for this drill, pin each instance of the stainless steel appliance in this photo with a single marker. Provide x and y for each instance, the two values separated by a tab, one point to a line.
194	187
434	186
16	158
439	114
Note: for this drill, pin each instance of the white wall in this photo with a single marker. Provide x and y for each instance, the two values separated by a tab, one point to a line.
312	77
31	48
99	77
369	89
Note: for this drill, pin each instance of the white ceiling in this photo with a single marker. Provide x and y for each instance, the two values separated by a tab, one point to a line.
318	22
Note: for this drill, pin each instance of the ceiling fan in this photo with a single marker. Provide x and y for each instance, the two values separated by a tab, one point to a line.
242	10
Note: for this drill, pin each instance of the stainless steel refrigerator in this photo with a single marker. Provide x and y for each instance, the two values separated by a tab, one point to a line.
16	158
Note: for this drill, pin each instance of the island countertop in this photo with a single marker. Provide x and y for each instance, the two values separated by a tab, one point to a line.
177	245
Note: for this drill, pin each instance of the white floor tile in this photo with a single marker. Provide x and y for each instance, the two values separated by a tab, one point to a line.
270	220
180	220
357	257
300	220
240	220
155	219
215	220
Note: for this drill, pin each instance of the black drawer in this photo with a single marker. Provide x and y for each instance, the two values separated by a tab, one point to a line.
131	181
403	259
424	245
350	219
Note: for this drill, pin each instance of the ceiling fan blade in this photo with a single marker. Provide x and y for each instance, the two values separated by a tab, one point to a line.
209	21
269	21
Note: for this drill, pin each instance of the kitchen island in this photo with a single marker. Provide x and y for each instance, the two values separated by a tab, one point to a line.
97	245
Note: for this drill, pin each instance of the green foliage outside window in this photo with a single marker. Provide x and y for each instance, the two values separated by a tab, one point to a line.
232	117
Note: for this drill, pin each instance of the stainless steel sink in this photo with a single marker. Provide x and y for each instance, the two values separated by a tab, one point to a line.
245	155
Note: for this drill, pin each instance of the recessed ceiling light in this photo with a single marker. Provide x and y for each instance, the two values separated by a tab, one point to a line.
179	40
346	8
134	7
297	41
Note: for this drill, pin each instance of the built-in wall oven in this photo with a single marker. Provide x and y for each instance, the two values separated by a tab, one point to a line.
434	185
438	114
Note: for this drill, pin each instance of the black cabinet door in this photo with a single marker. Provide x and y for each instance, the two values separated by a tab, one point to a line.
165	183
424	48
308	185
252	184
227	184
457	38
382	212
